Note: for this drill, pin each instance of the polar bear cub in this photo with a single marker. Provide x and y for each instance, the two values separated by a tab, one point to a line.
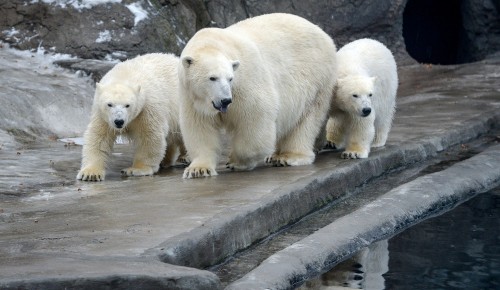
137	98
267	81
364	103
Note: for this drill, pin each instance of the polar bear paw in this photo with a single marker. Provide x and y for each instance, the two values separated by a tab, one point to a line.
353	155
330	145
138	171
91	173
184	159
197	172
290	159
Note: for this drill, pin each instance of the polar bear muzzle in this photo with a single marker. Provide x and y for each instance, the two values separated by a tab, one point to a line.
365	112
224	104
119	123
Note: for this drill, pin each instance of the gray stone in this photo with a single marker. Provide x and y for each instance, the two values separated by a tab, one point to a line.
109	30
96	68
101	31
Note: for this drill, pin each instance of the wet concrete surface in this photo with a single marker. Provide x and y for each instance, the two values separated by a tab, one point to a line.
48	220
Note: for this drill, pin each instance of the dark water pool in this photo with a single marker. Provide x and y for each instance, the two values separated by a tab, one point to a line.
457	250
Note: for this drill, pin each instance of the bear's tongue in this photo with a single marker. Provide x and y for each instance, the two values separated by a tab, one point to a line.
222	108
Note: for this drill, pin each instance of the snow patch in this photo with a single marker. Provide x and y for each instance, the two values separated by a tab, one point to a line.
180	41
40	54
77	4
116	56
10	33
139	12
104	36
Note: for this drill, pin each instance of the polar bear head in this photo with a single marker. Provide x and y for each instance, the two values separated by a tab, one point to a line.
118	103
354	95
208	77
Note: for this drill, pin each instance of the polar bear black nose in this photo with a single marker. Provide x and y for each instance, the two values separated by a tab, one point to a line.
366	111
119	123
225	102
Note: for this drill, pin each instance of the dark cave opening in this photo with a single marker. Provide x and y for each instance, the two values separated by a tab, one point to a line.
432	31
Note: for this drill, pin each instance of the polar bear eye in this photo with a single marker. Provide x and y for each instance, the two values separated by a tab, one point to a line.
110	105
230	79
355	96
213	79
369	95
127	105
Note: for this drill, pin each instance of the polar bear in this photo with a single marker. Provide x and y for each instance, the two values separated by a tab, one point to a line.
267	81
137	98
364	103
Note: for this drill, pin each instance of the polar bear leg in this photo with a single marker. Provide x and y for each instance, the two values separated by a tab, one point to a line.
335	135
381	134
183	156
149	152
99	142
252	141
170	154
297	148
359	137
382	128
202	141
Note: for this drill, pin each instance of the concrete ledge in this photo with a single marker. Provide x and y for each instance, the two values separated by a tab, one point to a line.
393	212
108	273
236	229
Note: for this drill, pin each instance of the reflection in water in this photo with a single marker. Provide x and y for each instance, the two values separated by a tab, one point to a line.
457	250
364	270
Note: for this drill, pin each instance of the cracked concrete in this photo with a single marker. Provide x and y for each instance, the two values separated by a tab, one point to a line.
58	232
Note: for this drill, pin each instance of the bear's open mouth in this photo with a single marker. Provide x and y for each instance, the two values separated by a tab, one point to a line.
222	108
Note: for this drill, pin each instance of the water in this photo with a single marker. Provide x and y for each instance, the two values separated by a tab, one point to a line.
457	250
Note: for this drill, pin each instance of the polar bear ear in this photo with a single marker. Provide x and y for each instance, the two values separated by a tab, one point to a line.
187	61
98	88
236	64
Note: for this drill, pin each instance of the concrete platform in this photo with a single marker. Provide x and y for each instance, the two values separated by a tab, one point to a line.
57	232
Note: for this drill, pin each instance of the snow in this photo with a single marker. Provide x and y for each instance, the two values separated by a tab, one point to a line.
11	32
77	4
43	57
138	11
115	56
104	36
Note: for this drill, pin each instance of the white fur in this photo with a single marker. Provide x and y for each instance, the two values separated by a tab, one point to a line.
367	80
143	94
279	71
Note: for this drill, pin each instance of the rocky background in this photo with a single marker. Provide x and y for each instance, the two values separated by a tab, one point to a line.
40	101
121	29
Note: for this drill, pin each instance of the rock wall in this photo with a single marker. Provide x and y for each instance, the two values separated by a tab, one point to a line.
120	29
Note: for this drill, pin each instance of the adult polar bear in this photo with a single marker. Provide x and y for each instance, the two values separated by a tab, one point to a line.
278	72
137	98
365	99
